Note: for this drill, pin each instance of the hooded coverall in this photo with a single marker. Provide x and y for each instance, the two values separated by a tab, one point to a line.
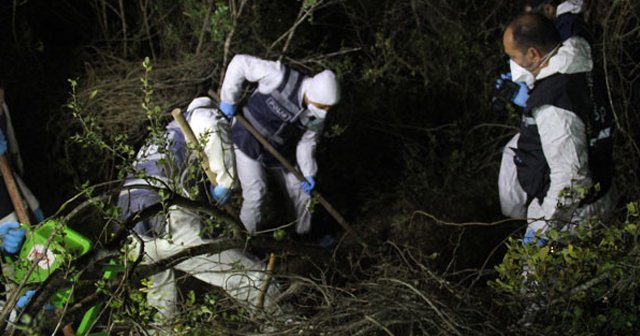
168	165
563	141
252	170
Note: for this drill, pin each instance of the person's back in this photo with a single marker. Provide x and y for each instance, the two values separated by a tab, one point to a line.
570	24
167	165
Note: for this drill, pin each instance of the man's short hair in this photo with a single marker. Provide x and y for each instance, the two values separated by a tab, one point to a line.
534	30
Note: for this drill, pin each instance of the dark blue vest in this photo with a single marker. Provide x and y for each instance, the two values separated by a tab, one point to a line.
570	25
169	161
574	93
277	117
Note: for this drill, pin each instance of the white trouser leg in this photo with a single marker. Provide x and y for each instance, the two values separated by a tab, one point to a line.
234	271
513	198
298	198
182	229
163	295
253	180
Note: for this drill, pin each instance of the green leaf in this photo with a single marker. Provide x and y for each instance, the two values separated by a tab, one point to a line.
279	234
553	234
191	297
631	228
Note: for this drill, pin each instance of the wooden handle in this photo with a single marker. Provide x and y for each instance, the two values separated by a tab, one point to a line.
193	142
12	189
267	281
204	162
293	170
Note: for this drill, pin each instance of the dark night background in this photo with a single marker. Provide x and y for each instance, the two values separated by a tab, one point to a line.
388	116
417	130
414	133
39	53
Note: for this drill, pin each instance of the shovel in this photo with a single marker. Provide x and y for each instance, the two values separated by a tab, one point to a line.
330	209
204	162
12	189
23	218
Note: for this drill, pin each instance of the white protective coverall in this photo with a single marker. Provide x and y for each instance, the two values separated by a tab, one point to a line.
570	6
206	123
13	152
252	173
235	271
564	143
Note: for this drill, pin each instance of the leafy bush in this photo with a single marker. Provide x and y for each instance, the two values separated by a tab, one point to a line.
581	282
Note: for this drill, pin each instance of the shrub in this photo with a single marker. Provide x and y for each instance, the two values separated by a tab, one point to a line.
580	282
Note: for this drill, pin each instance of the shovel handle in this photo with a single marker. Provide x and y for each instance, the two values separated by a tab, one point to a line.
204	161
193	141
12	189
293	170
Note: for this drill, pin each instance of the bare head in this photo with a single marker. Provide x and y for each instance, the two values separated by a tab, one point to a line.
529	41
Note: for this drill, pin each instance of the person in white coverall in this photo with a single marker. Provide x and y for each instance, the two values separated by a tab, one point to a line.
567	18
289	109
167	163
550	154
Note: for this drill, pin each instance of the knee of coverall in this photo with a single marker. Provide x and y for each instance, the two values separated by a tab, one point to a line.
253	180
163	295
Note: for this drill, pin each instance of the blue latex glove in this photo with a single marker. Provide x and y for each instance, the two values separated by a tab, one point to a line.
11	237
503	77
530	236
38	214
228	109
3	143
308	185
24	300
222	195
521	97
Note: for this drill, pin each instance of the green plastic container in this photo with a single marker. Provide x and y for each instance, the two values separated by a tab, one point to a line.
66	244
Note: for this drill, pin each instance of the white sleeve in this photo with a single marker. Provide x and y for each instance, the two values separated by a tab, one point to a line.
214	133
242	68
306	152
564	143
